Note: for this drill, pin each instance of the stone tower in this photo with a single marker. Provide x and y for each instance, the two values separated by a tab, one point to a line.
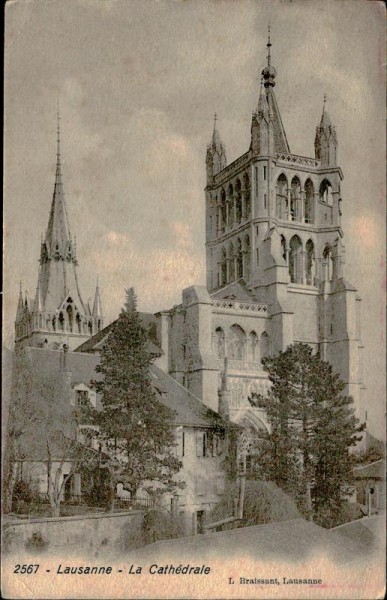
58	314
274	239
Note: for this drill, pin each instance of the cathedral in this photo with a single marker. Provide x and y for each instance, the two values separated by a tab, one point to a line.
275	268
275	273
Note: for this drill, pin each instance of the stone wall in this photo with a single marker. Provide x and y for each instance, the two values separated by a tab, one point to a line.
89	534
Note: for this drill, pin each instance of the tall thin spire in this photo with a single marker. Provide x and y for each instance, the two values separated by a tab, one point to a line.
97	305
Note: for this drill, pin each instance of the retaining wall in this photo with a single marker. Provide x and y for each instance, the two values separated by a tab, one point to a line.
86	534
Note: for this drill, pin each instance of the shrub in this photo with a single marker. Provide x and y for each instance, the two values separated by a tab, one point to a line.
22	492
159	525
264	502
330	515
36	542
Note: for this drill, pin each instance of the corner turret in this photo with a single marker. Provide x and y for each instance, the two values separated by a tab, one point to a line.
216	155
325	143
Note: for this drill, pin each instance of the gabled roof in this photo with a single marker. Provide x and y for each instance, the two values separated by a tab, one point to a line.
237	290
95	343
188	408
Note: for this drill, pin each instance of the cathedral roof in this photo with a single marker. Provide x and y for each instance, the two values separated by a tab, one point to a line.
95	343
188	409
236	290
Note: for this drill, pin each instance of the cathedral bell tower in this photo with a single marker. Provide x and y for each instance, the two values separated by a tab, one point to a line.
58	314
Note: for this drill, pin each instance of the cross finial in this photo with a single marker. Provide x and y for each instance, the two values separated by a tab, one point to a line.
58	130
215	119
268	45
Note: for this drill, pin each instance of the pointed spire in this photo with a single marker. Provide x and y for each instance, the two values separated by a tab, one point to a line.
58	235
325	118
216	141
20	304
38	305
216	153
262	102
97	305
325	142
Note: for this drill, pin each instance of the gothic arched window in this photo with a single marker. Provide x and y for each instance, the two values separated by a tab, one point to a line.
224	267
265	345
310	264
253	347
78	320
246	272
282	197
220	343
295	257
223	210
236	344
283	247
246	185
61	321
70	315
230	194
327	256
239	259
326	192
308	205
295	194
231	258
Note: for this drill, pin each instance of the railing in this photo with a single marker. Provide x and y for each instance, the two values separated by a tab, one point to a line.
298	160
237	305
231	169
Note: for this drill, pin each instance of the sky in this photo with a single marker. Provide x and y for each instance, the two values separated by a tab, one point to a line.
138	83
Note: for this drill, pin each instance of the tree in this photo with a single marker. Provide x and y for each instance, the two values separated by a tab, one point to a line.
136	428
42	428
313	426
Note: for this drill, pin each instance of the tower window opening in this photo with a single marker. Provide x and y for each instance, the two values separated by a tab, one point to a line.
264	201
310	263
264	173
308	203
295	258
237	341
325	193
283	247
282	197
220	342
257	256
256	180
328	263
295	194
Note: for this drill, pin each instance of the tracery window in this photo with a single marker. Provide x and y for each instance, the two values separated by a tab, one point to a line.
282	197
220	342
236	345
310	263
308	205
295	260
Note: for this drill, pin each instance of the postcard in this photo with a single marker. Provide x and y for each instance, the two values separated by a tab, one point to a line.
193	326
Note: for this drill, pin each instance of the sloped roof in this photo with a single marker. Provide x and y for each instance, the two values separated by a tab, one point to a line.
375	470
188	408
236	290
148	320
292	540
